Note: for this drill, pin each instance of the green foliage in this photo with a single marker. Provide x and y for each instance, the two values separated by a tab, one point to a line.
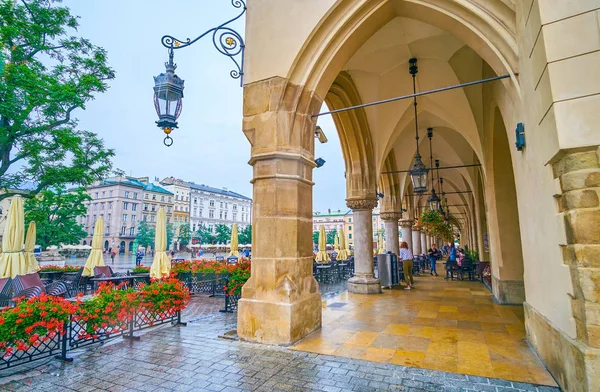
145	235
205	235
316	237
170	235
55	213
434	222
223	234
245	236
185	234
473	254
331	236
47	75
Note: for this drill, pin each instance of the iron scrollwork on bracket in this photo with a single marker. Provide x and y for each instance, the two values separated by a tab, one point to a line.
226	40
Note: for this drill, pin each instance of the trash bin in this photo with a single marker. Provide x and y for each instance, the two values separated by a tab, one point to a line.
384	269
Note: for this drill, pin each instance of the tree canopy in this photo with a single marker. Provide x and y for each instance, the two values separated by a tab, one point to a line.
222	234
145	235
185	234
245	236
55	213
204	234
46	76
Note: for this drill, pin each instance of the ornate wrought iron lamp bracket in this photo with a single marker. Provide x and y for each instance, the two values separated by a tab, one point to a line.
225	39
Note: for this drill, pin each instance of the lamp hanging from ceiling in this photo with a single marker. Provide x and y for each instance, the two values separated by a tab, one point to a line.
434	200
418	172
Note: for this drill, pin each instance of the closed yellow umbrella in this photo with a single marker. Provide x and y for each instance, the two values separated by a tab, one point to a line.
343	253
95	259
336	243
12	260
234	241
322	256
161	266
31	262
381	244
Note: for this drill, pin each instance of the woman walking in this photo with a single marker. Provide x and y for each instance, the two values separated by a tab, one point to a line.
406	257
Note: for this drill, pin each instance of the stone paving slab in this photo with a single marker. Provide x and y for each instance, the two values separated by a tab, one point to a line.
193	358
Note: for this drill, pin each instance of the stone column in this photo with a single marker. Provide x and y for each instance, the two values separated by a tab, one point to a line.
424	239
363	281
406	225
416	237
280	302
391	231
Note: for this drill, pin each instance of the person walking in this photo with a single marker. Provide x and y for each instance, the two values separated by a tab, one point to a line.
406	257
138	258
112	256
434	255
451	264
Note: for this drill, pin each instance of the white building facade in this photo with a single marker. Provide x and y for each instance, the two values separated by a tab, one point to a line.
210	207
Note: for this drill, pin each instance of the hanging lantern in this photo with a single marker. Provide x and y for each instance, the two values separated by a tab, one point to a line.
434	201
418	175
168	93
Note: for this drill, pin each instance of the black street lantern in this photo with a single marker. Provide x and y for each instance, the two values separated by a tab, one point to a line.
434	201
418	175
168	93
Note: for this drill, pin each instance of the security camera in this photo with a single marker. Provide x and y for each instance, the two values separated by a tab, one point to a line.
319	134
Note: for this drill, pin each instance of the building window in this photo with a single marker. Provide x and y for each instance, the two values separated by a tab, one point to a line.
349	236
194	227
168	220
177	197
195	211
220	214
134	207
195	201
103	194
221	204
225	215
132	218
153	207
96	196
162	198
108	219
350	221
211	213
169	210
234	216
110	193
125	205
107	231
211	203
145	218
123	230
135	195
110	205
126	194
102	206
132	231
124	217
146	196
235	207
152	218
200	211
153	197
169	199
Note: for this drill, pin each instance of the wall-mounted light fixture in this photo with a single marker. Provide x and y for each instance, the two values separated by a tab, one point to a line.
319	162
520	136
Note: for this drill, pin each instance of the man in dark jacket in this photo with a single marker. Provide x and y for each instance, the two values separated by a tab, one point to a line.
434	254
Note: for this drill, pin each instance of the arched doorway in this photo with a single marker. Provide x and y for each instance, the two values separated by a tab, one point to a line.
84	242
130	247
122	247
106	245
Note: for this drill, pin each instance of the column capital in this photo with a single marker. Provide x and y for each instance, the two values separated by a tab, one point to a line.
406	223
391	216
416	228
362	204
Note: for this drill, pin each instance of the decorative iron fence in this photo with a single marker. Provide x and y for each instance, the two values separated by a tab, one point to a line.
212	284
75	336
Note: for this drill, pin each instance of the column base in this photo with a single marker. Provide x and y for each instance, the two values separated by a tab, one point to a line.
508	292
278	323
358	285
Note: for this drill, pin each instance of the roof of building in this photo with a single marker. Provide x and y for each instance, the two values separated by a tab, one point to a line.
223	192
150	187
331	213
118	181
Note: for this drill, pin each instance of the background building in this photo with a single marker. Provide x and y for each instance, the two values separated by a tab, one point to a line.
155	197
118	201
334	220
181	203
210	207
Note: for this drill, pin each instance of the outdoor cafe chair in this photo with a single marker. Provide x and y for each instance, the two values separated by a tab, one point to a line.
26	294
22	282
106	271
76	283
451	269
467	267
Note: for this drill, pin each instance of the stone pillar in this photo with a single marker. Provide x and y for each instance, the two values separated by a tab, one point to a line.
406	225
280	302
416	237
391	231
423	241
363	281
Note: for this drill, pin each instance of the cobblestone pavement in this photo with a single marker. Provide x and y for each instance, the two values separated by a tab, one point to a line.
194	358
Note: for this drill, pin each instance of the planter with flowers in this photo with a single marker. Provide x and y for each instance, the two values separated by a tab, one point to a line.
160	300
140	269
32	329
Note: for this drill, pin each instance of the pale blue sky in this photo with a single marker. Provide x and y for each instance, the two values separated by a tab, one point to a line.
209	146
